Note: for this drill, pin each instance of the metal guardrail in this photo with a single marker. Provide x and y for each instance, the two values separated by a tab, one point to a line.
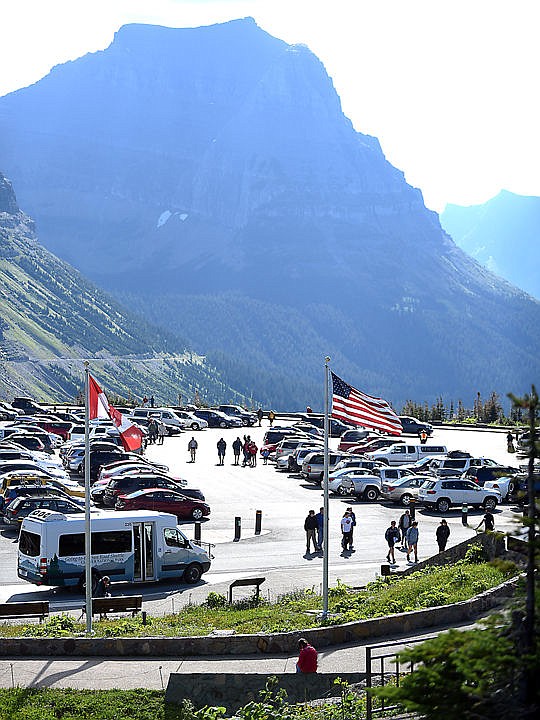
205	546
389	669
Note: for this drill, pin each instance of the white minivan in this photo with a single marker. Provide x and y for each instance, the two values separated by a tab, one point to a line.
140	546
399	453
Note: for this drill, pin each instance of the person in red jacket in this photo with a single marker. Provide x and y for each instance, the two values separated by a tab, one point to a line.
307	659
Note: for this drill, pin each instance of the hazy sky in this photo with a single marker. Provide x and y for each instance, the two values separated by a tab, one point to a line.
450	87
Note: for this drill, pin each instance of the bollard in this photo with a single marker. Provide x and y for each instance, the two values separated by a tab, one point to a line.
412	509
237	528
143	615
386	572
258	522
197	537
465	514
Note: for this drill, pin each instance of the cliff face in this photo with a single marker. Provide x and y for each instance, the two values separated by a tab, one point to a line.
210	175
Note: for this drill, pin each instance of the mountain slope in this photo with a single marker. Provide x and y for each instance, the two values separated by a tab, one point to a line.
52	318
502	234
220	188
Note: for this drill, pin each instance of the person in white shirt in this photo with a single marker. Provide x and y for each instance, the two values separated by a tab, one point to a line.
346	530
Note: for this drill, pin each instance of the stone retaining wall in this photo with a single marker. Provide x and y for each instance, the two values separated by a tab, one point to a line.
233	690
279	643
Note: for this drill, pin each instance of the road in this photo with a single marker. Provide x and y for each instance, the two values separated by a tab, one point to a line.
278	553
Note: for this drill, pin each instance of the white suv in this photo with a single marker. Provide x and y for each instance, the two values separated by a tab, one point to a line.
445	493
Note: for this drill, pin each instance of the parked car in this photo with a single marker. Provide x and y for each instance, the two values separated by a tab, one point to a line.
296	458
214	418
457	466
413	426
191	421
313	465
164	500
28	441
97	459
360	483
368	445
404	490
446	493
351	438
248	418
122	466
22	506
399	453
9	466
26	490
336	427
27	405
126	484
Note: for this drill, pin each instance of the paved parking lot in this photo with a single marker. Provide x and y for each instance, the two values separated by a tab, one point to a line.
278	553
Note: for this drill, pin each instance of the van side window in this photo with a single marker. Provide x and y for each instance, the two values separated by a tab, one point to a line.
103	543
174	539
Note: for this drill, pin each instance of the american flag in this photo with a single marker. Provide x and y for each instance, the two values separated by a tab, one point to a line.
353	406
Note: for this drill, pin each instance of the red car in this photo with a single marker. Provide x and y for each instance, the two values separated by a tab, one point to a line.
164	500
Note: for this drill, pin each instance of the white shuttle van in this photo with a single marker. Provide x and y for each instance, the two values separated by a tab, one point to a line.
138	546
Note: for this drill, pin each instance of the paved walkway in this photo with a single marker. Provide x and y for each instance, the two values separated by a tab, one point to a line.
153	674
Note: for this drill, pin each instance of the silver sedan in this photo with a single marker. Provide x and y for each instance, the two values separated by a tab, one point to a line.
404	490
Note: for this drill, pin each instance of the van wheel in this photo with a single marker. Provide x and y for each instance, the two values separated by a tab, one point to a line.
490	503
443	505
371	494
196	513
195	426
406	499
192	573
511	490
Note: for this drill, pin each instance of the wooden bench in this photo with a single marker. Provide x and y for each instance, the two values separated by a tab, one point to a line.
19	610
116	604
244	582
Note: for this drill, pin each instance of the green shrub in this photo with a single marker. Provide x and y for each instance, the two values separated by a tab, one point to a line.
215	600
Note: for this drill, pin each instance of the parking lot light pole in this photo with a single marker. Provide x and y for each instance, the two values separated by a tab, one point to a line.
87	534
326	539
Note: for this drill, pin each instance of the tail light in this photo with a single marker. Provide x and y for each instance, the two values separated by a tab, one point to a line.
389	488
309	468
431	492
42	566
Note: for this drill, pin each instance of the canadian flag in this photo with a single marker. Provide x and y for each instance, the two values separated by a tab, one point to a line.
99	407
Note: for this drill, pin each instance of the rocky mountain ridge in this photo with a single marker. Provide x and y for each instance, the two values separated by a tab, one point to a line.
222	192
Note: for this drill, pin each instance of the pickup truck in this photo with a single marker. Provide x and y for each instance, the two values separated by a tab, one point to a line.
366	484
399	453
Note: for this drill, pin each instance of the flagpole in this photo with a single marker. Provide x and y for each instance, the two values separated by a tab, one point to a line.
87	532
326	538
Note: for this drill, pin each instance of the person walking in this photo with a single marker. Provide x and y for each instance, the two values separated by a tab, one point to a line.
265	452
192	447
442	534
510	443
247	454
392	537
260	415
221	447
310	526
271	417
320	529
152	401
412	541
307	658
346	531
152	431
237	449
423	437
161	432
404	524
353	518
488	521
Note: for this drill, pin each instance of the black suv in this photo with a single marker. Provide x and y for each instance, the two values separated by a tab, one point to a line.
102	457
127	484
247	418
22	506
